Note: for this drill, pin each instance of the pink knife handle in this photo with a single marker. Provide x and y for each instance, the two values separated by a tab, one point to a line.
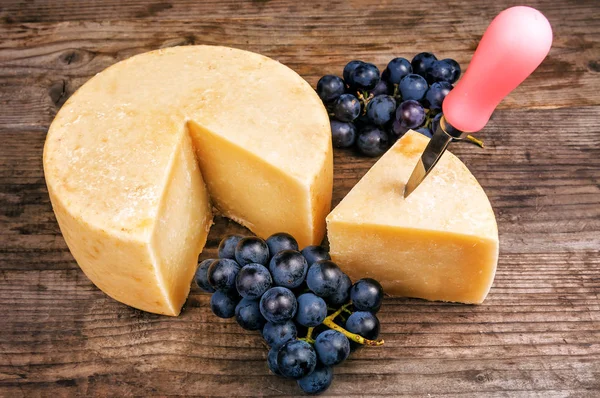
514	44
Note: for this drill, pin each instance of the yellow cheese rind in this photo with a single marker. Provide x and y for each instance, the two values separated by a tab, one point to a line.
440	243
125	157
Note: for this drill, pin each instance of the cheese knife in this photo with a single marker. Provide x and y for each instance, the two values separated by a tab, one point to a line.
512	47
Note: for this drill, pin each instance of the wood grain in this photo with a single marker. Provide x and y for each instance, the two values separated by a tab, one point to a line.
537	334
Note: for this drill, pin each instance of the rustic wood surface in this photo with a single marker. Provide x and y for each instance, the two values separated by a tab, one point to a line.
537	334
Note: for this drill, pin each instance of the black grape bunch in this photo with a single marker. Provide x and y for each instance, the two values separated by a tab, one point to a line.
307	309
370	110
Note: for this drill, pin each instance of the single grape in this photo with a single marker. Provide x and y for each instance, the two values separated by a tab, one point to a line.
332	347
397	130
421	62
396	69
318	381
425	131
281	241
343	135
253	281
435	122
222	274
380	109
278	304
454	68
435	95
277	334
324	278
411	114
248	316
252	250
315	253
413	87
363	323
329	88
439	71
382	88
223	304
311	310
296	359
366	295
364	77
227	246
288	268
346	108
372	141
201	276
272	361
348	69
342	294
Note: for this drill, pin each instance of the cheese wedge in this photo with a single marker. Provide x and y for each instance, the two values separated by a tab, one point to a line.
440	243
138	155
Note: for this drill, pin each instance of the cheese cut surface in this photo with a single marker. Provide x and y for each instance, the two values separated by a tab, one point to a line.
440	243
138	155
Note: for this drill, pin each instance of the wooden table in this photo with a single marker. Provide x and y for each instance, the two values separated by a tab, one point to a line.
537	334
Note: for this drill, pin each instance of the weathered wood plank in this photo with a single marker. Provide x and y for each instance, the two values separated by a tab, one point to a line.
537	334
19	11
74	336
42	63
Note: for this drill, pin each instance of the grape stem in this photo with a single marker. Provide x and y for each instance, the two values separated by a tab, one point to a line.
364	99
346	310
330	323
474	140
308	337
469	138
397	96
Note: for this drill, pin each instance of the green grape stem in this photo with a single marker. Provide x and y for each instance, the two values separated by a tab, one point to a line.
330	323
469	138
475	141
364	99
397	95
308	337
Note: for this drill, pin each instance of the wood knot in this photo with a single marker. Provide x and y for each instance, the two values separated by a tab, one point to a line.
7	19
66	383
153	9
58	93
187	40
70	57
75	56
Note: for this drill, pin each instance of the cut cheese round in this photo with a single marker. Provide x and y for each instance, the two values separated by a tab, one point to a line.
136	157
440	243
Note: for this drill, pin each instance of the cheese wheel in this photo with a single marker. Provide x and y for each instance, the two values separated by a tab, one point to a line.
137	156
440	243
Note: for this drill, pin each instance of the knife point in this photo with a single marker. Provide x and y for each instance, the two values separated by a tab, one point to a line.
417	175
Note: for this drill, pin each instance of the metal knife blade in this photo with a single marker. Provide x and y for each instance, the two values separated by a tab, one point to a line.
443	136
521	32
432	154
